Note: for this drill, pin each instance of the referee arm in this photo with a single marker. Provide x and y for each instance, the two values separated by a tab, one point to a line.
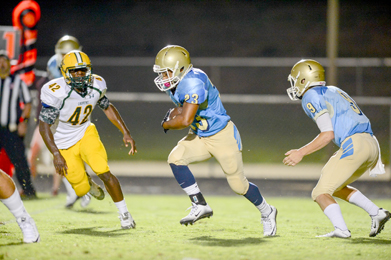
22	126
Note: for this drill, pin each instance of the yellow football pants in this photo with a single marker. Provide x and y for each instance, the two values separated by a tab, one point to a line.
90	150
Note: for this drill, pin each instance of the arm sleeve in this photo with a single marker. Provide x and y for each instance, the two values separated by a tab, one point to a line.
49	114
324	123
104	102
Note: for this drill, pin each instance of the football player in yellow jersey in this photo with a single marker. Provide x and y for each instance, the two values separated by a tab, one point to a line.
38	149
65	126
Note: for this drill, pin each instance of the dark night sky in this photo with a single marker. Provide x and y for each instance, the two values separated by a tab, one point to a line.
212	28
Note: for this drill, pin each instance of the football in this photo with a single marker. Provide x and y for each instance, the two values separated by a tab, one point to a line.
174	112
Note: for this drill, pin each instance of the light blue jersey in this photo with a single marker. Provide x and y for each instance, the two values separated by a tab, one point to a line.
196	88
346	117
53	68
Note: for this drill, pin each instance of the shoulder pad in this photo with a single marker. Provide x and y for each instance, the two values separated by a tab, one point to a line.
53	92
99	84
97	77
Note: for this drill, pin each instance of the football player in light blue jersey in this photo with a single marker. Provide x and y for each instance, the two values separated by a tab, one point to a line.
340	120
64	45
52	68
211	116
212	134
347	119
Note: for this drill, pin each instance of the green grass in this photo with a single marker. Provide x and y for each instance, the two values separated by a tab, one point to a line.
234	232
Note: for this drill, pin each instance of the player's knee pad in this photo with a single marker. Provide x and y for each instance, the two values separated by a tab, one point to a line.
82	188
176	156
79	183
238	183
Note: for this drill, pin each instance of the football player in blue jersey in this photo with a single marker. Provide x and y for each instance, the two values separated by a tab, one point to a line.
340	120
212	134
64	45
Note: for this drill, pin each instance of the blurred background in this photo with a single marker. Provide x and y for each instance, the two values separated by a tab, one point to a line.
246	47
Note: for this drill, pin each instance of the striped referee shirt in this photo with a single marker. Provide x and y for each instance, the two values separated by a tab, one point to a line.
13	95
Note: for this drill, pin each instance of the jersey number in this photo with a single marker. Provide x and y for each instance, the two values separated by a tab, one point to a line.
201	124
311	107
353	105
74	119
54	87
194	96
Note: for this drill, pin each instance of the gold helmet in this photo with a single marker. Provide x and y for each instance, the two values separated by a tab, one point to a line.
77	60
305	74
64	45
175	59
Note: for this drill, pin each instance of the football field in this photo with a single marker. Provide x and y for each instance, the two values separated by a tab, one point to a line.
234	232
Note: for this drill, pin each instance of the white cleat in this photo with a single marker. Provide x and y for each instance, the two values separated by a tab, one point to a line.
197	212
85	200
29	229
127	221
270	223
71	199
337	233
379	221
95	190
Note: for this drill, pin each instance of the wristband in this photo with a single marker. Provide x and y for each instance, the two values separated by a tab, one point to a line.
23	119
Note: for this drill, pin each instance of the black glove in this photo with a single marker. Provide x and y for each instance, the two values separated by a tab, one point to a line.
166	117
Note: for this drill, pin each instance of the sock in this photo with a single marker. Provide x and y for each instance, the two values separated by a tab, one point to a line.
363	202
198	199
15	204
121	205
253	194
183	175
333	212
264	208
192	189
